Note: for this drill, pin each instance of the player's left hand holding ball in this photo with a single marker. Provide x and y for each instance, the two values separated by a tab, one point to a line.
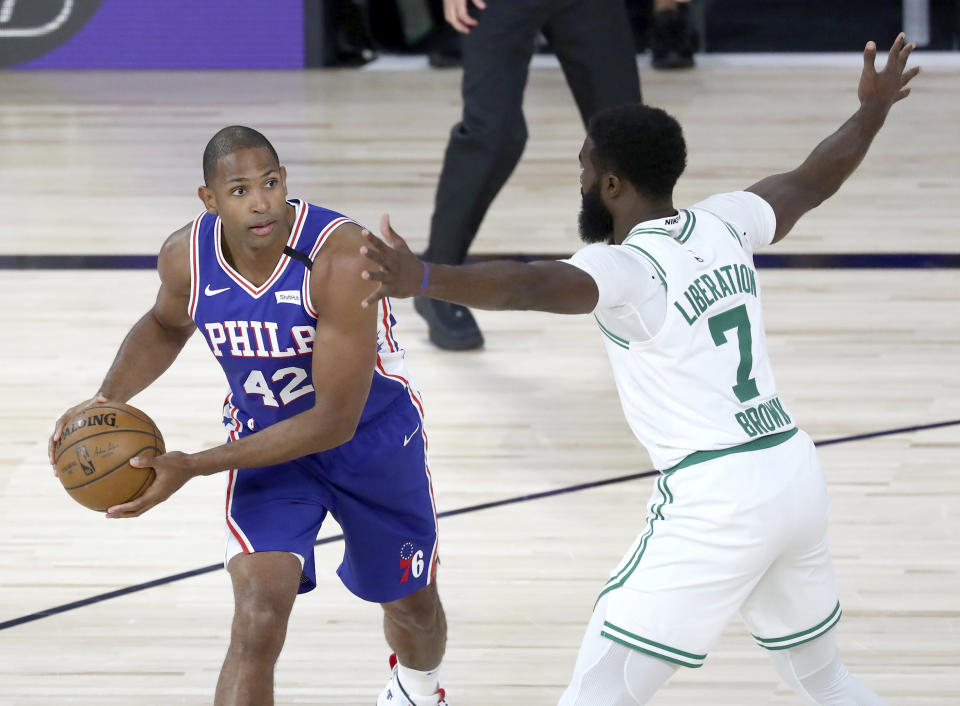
173	470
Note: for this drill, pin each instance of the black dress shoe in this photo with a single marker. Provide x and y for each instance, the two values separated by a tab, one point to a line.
440	59
452	327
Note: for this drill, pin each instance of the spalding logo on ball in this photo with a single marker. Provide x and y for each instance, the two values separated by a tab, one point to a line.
94	452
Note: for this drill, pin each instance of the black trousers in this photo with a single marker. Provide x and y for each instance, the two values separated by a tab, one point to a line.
594	44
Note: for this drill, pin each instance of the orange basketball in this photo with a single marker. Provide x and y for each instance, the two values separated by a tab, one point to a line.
94	451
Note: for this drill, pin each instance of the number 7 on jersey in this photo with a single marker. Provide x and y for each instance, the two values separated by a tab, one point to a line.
746	387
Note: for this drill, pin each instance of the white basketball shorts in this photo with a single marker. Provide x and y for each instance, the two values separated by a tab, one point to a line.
744	531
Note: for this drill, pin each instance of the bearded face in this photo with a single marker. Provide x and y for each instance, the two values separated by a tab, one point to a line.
596	220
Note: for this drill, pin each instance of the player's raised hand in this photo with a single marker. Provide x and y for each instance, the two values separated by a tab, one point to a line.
173	471
54	439
399	272
884	88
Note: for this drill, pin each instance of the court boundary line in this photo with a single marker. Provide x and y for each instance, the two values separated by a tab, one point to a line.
136	588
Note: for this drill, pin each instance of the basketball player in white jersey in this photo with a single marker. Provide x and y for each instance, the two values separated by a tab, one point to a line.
737	521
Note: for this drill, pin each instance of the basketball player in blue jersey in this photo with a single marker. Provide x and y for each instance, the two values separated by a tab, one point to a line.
737	521
322	417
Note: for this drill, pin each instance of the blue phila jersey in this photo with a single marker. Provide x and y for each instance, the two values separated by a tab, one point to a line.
263	335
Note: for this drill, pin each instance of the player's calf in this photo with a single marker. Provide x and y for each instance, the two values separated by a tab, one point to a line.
416	628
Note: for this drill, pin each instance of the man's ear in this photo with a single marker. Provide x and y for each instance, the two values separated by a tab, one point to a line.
611	185
209	199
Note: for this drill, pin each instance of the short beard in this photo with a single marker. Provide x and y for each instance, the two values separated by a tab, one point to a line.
595	220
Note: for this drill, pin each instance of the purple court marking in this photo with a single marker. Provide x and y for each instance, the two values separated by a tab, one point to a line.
448	513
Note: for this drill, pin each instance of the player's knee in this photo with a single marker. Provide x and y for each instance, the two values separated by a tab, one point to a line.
828	679
258	630
815	671
614	675
418	612
833	685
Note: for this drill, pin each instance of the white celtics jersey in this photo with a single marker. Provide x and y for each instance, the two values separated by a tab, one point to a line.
680	314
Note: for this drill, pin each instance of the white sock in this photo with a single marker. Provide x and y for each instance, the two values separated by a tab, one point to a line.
417	684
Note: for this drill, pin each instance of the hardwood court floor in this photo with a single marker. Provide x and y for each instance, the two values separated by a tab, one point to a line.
108	166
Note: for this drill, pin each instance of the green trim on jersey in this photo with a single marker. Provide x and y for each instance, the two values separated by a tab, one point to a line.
764	442
687	230
661	273
622	342
798	638
656	511
642	644
733	231
648	231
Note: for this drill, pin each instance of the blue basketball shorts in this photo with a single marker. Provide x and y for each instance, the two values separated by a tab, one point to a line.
377	486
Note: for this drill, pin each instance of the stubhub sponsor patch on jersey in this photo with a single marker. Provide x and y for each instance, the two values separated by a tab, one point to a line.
288	296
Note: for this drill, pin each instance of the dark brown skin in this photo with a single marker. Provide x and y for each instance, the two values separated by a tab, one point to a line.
564	289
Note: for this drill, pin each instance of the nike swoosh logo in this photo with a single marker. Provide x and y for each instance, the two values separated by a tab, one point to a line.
406	439
210	292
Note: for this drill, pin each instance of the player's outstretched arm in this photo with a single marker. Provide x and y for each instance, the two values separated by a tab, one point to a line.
794	193
154	341
549	285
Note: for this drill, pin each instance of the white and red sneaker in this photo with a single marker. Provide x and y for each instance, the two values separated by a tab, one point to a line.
395	695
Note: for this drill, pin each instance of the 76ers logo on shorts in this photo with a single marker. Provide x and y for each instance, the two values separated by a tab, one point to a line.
410	562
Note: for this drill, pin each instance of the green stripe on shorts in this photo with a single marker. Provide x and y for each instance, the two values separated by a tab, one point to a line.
798	638
656	512
642	644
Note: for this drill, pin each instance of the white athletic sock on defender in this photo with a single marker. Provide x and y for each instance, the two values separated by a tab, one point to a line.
420	686
814	670
612	674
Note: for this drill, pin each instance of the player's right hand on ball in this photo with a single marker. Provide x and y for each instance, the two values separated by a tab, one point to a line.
173	469
61	423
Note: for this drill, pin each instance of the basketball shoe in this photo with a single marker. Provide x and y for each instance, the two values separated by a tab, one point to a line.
395	695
